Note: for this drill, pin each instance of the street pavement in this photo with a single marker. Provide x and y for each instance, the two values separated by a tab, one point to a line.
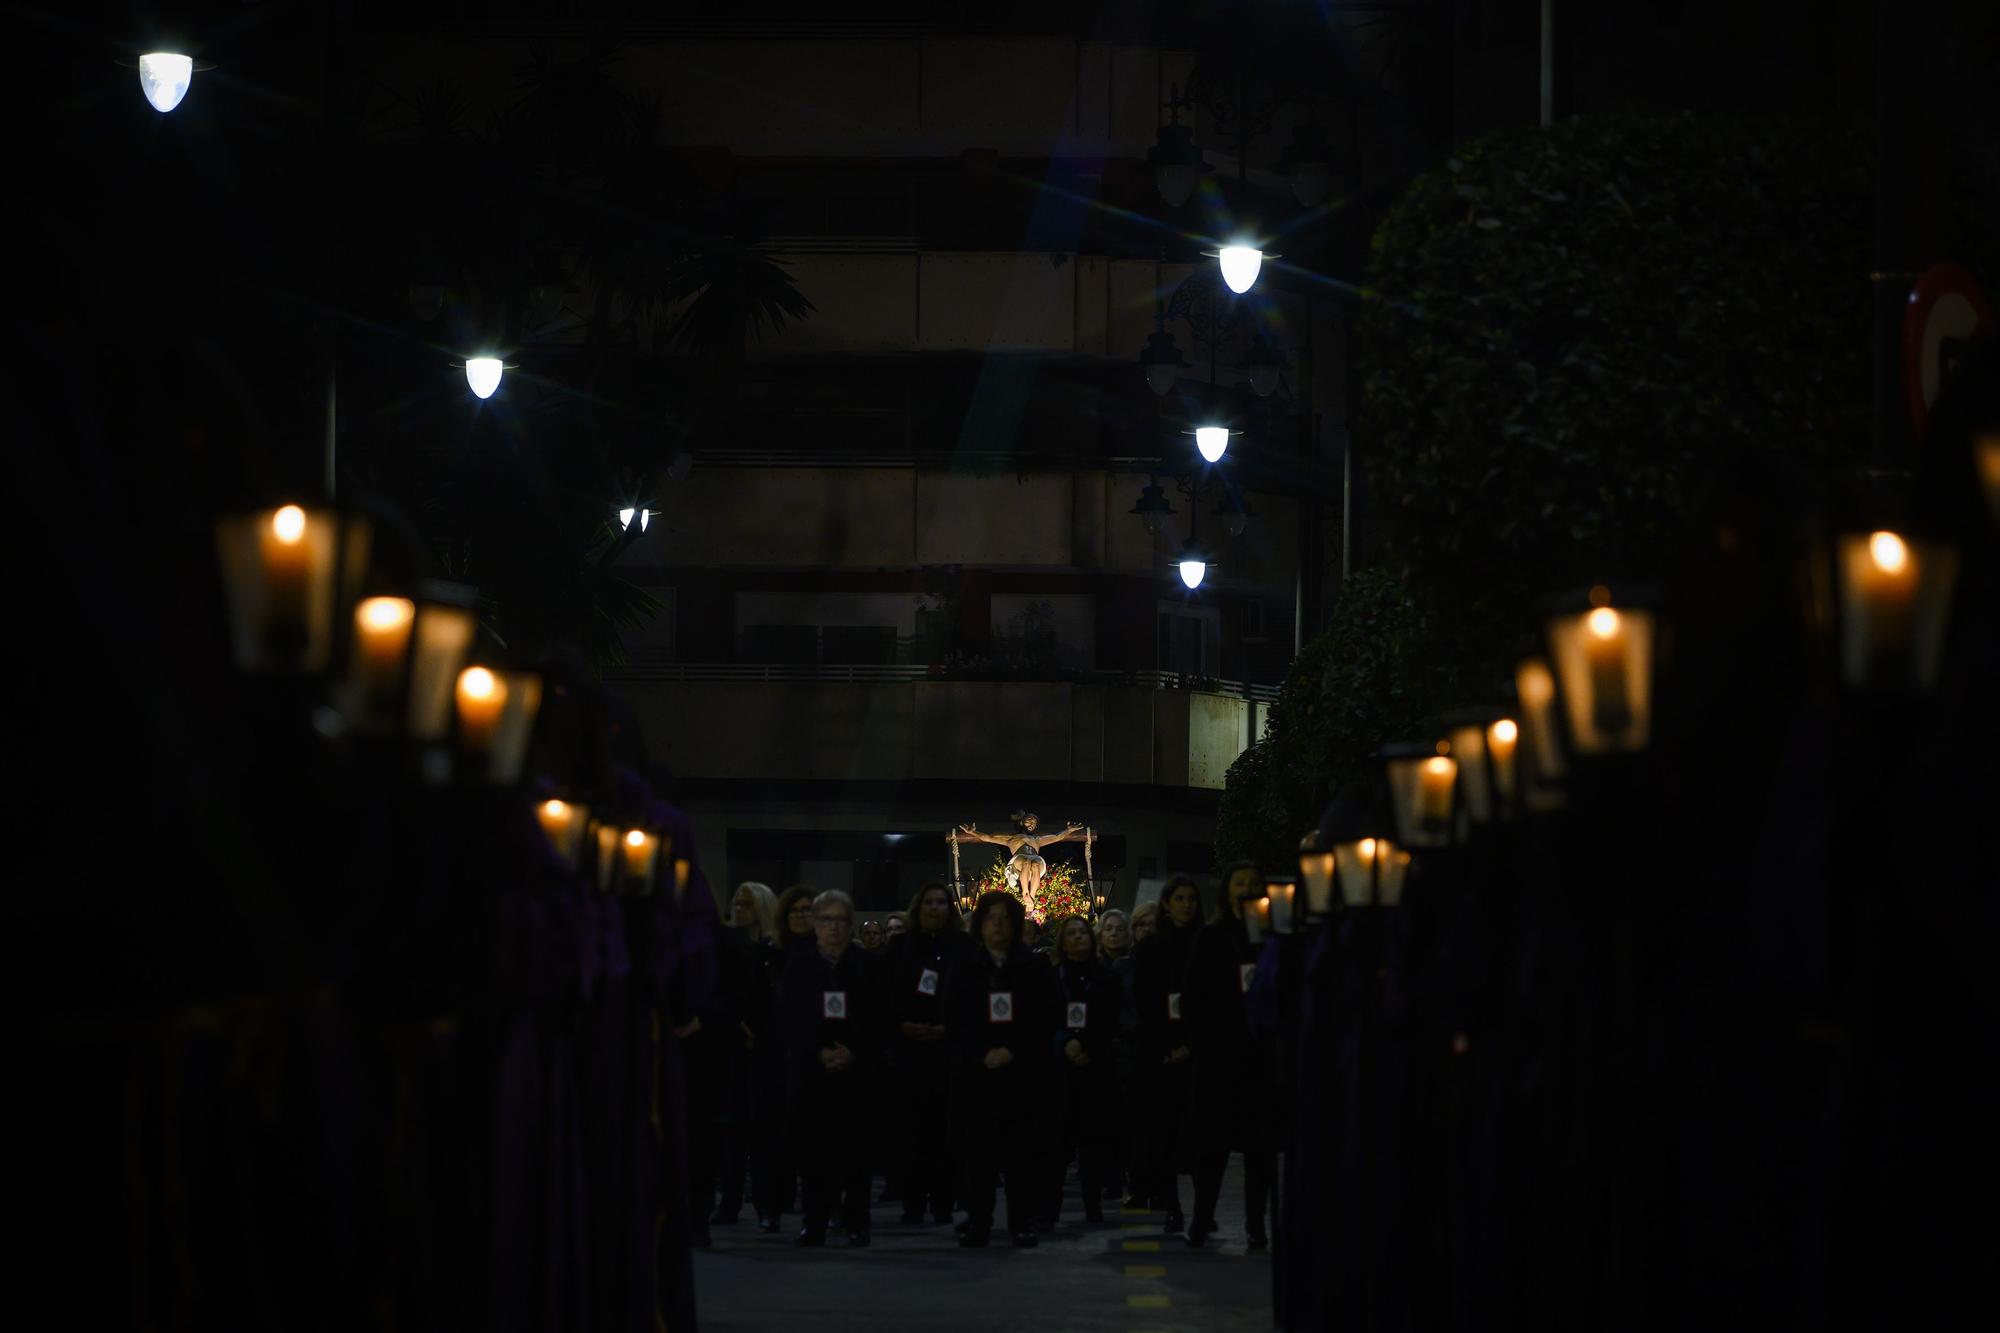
1124	1274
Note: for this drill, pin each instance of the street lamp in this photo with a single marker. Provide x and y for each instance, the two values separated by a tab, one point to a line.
164	77
1240	265
1895	601
1603	661
1235	515
1162	362
1177	163
1211	440
482	375
1193	564
1152	506
1310	163
626	515
1423	785
1263	367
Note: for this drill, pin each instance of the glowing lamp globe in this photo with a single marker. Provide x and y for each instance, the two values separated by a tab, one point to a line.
164	77
482	375
1240	264
1192	572
1213	441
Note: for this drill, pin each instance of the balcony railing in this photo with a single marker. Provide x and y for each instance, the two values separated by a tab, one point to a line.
642	667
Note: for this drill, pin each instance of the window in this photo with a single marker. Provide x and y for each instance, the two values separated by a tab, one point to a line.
1190	641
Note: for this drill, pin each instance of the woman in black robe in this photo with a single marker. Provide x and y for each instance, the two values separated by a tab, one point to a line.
774	1176
1092	999
1232	1098
1160	965
1001	1015
825	1006
912	970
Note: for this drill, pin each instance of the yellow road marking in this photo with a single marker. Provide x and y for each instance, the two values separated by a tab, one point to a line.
1148	1301
1144	1270
1142	1247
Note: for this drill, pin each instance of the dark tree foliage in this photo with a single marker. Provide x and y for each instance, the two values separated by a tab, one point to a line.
1575	339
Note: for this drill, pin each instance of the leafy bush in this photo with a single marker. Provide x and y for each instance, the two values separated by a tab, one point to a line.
1580	329
1573	335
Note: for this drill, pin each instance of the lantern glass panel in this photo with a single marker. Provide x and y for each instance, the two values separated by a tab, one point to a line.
1475	776
1895	602
1536	685
1358	862
1316	868
443	638
285	571
607	836
1395	873
378	659
639	855
565	823
1257	918
1986	456
1603	660
1283	895
1422	788
1503	753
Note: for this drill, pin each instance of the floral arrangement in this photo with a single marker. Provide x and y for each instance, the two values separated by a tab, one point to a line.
1062	893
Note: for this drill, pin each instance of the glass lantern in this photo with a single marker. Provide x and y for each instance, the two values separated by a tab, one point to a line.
496	711
1394	872
1486	751
1986	458
565	824
1895	603
1316	870
1283	894
287	572
1603	661
1423	788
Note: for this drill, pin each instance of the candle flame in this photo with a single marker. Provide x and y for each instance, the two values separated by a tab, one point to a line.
1888	551
1368	849
477	683
1506	731
555	809
1604	622
636	838
289	524
1536	684
383	614
1439	765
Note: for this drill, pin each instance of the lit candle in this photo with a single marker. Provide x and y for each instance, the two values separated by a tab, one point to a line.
1885	590
287	558
1502	739
563	823
381	639
481	697
1536	685
1318	869
1257	918
1357	872
681	872
639	851
1434	787
1604	656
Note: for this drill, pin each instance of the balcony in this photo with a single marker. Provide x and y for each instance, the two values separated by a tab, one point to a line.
898	722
